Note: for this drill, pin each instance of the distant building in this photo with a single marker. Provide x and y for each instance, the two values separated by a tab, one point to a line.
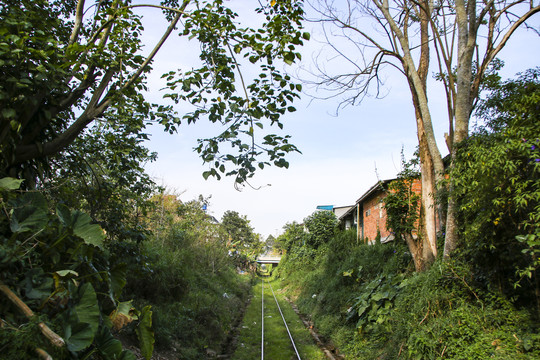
339	211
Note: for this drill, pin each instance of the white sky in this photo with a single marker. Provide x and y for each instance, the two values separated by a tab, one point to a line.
342	156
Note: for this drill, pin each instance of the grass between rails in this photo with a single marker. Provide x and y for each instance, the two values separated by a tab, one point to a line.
277	344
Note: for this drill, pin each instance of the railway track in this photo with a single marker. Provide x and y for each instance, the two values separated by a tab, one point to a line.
272	330
282	317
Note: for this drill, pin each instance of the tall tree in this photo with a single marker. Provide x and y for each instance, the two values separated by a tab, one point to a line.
293	234
465	36
321	226
239	229
65	65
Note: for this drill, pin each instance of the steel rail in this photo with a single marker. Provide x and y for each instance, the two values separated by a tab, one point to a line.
285	322
262	321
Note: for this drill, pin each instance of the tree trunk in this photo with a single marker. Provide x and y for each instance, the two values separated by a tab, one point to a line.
466	24
429	206
416	253
426	161
428	233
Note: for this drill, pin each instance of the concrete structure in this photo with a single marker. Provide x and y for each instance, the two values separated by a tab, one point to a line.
269	259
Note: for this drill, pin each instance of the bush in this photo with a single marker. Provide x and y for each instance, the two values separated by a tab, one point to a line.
321	226
194	290
497	177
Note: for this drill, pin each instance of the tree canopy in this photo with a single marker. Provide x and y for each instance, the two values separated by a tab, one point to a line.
238	228
321	226
68	65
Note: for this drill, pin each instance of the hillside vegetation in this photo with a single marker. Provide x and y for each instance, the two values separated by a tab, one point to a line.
174	283
482	303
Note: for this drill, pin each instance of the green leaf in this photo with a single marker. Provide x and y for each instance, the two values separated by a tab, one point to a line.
87	309
64	214
63	273
82	226
118	279
8	183
79	336
9	113
108	347
348	273
92	234
37	284
362	309
29	213
145	333
127	355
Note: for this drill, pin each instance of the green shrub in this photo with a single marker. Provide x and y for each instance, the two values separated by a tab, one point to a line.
442	315
370	303
321	227
497	177
194	291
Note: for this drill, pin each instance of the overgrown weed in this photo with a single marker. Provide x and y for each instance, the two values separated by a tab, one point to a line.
195	293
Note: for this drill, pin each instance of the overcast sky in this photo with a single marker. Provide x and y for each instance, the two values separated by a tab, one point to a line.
342	156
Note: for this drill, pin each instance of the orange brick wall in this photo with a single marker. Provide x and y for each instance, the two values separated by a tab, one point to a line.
376	220
374	217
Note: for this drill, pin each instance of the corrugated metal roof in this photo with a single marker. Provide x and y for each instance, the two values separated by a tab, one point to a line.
325	207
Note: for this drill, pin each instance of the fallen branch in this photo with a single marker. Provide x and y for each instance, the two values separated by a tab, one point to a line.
54	338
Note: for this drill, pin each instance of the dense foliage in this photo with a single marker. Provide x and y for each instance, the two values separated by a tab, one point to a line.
190	280
181	283
402	205
498	180
370	303
87	220
243	241
320	225
316	230
69	65
57	263
292	236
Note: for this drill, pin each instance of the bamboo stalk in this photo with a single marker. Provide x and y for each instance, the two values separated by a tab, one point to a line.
43	354
54	338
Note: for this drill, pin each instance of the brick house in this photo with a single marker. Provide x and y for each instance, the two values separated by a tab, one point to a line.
368	215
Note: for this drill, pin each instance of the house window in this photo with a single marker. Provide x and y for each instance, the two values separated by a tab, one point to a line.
368	212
